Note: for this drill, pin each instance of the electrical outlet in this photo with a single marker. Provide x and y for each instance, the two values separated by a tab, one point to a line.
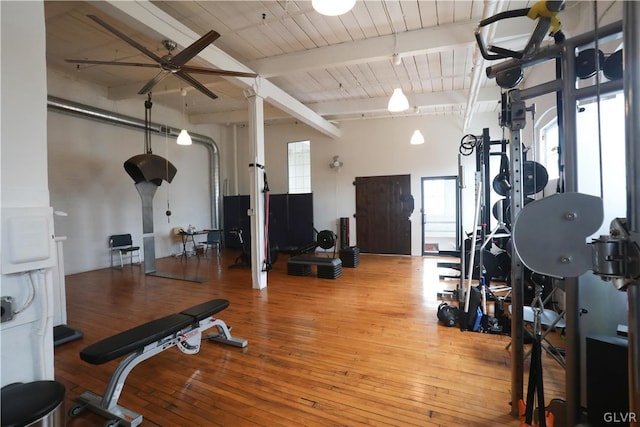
6	308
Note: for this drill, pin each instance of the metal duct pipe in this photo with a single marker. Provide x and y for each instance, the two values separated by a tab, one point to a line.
491	7
85	111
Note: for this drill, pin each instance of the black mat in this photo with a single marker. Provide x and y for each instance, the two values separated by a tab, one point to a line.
63	334
178	277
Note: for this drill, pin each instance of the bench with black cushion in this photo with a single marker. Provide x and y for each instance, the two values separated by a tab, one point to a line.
183	330
138	337
326	268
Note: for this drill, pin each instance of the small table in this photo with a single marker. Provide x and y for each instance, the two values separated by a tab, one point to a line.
185	239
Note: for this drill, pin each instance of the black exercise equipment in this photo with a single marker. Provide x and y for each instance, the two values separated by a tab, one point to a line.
350	256
588	64
182	330
509	79
612	67
536	384
325	239
326	268
534	177
299	264
548	24
468	144
244	259
501	183
448	314
270	249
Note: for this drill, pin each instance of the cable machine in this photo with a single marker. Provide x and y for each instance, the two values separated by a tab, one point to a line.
562	222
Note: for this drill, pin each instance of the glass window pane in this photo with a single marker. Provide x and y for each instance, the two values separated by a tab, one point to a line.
299	166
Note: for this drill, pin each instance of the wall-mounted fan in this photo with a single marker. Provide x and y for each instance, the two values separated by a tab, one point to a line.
336	163
168	64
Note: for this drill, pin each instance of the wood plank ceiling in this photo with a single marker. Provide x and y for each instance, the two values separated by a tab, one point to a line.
340	67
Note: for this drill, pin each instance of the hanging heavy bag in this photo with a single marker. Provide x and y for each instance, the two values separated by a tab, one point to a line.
448	314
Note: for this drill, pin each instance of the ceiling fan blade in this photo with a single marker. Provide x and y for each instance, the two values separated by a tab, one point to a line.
213	71
194	48
129	64
128	40
196	84
154	81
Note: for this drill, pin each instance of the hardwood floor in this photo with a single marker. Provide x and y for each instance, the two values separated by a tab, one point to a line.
365	349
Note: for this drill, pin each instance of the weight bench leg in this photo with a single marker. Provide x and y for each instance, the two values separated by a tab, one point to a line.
107	405
224	335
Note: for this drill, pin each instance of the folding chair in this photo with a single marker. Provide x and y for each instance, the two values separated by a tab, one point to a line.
214	239
123	244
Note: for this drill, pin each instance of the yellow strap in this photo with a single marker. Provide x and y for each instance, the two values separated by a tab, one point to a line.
540	10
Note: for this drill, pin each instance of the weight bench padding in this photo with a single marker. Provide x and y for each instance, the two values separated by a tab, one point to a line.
206	309
135	338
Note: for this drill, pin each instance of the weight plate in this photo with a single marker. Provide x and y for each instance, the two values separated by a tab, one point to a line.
586	63
498	206
501	184
612	67
508	79
534	177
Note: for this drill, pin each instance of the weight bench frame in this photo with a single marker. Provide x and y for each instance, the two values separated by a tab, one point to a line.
183	330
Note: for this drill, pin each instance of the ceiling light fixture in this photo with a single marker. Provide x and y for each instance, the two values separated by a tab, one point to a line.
398	101
184	138
333	7
417	138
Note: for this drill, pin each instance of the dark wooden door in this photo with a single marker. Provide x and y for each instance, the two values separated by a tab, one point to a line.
383	207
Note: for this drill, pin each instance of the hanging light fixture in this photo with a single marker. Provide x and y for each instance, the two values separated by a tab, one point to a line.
417	138
184	138
333	7
398	101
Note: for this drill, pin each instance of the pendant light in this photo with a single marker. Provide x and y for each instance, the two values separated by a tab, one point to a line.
184	138
417	138
333	7
398	101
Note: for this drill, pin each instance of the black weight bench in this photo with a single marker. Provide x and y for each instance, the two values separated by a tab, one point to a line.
326	268
183	330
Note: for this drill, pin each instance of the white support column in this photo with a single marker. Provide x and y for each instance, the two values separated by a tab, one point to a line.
256	195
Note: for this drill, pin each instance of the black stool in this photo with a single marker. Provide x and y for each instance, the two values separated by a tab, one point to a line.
34	403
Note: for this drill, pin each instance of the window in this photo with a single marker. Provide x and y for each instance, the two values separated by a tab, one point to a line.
549	149
299	159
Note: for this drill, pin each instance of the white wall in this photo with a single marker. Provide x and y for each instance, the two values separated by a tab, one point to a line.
27	340
88	180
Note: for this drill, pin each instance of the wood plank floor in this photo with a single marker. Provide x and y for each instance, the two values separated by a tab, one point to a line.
365	349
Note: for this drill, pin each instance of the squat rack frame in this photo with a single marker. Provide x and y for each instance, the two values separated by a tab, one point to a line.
568	96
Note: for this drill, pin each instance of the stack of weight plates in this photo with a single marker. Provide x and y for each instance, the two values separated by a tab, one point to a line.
350	257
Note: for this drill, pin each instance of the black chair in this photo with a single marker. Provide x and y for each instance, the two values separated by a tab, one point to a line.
214	239
123	244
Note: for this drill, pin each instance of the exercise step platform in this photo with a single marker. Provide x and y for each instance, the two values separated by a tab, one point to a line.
326	268
350	256
452	265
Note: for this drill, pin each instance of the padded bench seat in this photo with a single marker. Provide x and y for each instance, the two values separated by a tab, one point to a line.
326	268
135	338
